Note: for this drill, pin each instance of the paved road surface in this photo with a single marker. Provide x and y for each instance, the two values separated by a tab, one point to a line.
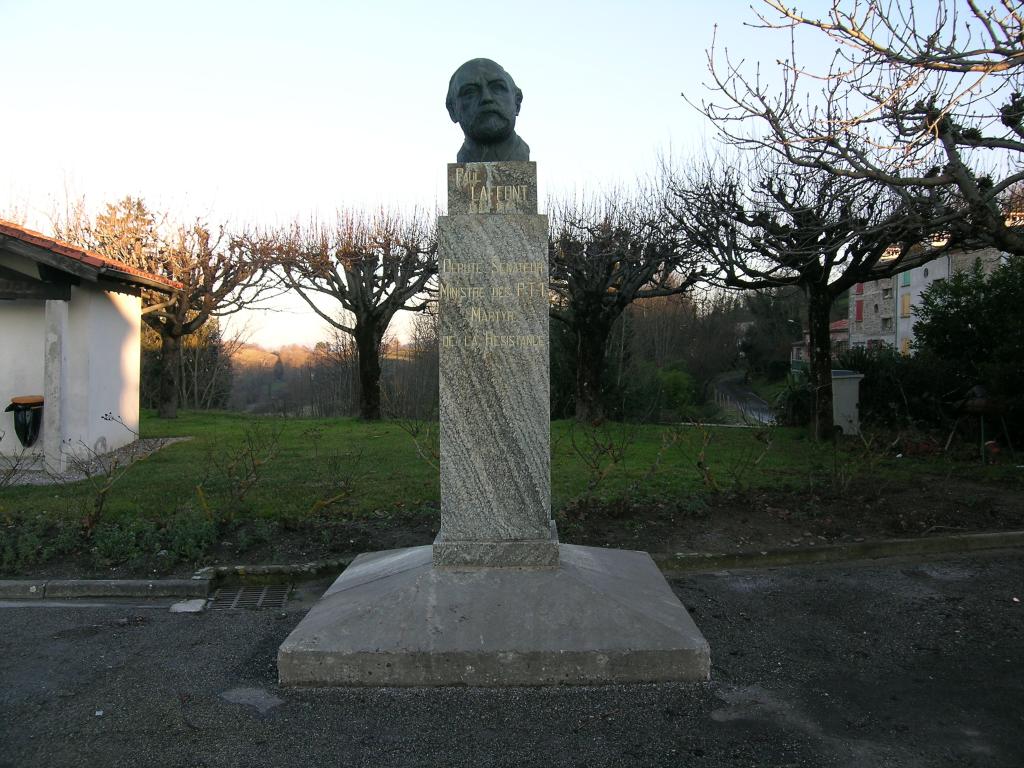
733	393
884	664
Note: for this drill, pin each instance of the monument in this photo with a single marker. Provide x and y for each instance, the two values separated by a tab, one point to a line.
497	600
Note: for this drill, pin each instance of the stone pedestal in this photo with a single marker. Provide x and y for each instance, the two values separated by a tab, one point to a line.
603	616
494	412
496	600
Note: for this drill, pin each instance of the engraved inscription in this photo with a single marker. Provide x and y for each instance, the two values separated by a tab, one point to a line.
482	315
489	340
492	307
461	294
484	196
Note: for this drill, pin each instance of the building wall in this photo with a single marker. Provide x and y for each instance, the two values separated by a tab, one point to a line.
877	304
887	305
103	370
912	283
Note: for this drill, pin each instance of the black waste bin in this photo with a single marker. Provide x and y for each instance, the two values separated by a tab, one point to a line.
28	416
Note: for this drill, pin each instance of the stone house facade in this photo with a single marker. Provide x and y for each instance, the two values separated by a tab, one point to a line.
882	311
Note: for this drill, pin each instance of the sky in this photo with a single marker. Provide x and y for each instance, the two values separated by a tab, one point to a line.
263	113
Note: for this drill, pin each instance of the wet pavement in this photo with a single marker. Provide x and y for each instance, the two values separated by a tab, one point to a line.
889	663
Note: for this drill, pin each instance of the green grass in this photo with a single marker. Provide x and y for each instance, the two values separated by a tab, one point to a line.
331	472
380	459
304	469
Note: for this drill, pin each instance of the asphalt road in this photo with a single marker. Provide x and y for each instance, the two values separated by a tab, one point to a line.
745	400
903	664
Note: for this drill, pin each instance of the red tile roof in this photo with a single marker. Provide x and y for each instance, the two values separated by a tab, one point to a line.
89	258
839	325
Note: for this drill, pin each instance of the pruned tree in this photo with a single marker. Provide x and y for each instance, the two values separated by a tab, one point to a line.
218	274
604	257
764	223
371	268
911	99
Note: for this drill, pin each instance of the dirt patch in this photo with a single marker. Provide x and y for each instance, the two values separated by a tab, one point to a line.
761	520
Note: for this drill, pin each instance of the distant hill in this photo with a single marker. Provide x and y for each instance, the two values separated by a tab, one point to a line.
296	355
255	356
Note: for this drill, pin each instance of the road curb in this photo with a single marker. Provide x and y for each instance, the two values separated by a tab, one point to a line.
229	575
66	588
206	580
22	589
689	562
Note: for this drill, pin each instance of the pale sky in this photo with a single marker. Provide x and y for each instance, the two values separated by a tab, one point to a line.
264	112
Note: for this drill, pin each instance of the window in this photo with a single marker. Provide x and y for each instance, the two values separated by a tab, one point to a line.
905	305
887	324
926	272
876	309
860	289
904	279
859	310
887	293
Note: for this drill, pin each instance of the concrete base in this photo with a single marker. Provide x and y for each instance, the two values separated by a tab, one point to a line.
509	553
603	616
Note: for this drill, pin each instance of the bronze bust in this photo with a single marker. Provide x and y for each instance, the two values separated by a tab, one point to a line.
484	100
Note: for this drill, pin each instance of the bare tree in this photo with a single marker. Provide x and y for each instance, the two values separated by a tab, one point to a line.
765	223
372	267
603	258
217	274
911	98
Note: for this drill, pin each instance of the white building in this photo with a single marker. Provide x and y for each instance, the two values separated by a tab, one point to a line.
70	325
912	283
882	311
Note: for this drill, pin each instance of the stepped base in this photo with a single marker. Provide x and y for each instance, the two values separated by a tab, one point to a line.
392	618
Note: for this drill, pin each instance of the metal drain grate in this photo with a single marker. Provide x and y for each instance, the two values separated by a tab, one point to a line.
250	598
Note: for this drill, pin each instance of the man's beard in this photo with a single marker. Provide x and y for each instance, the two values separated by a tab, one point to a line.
490	127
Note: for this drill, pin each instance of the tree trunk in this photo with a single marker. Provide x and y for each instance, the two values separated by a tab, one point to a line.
170	367
820	369
591	345
368	350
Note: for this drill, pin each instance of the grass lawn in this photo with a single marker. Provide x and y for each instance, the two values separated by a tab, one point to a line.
248	479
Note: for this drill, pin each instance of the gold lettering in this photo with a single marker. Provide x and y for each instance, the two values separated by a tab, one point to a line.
459	294
534	268
480	315
461	267
531	289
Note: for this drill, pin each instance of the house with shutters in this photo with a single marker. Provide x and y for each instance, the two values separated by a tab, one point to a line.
882	311
70	325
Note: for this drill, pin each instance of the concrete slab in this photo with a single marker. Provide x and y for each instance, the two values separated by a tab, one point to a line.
603	616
